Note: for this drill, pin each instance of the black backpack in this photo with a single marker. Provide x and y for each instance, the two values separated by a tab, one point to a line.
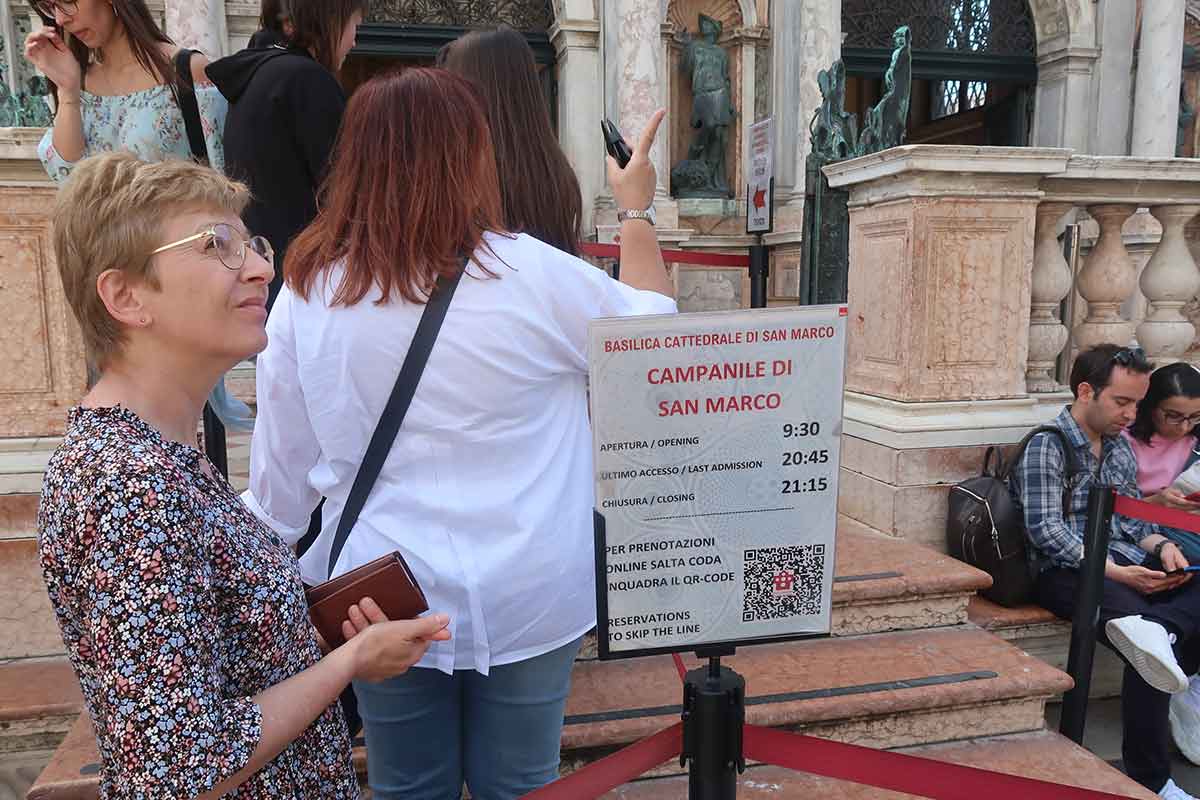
985	529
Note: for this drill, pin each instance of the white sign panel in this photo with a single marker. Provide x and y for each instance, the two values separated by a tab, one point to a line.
717	443
761	172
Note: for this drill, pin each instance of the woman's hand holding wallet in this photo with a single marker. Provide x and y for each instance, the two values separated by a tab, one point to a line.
384	648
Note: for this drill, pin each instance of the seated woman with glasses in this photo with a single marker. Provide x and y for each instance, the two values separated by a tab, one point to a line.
183	616
1164	439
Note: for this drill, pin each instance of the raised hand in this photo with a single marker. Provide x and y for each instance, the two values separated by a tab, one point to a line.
47	51
633	187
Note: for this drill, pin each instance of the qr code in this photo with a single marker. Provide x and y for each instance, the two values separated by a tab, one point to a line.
783	582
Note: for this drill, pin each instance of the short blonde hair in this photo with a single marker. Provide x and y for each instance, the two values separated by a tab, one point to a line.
110	215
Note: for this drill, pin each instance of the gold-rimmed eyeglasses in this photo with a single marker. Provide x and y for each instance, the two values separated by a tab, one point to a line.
228	245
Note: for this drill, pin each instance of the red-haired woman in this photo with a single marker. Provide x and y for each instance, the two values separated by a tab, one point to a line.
488	488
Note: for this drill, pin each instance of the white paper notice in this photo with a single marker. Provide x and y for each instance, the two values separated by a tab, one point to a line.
717	441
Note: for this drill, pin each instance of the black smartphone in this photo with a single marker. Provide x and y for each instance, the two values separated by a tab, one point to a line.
1183	571
615	144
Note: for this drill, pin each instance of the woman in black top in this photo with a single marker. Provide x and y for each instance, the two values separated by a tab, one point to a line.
285	106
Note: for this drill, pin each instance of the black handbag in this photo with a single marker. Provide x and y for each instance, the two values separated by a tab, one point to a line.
985	529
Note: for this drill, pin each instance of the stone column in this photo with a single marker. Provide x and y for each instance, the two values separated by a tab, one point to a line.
1106	280
640	89
807	39
1156	91
1113	87
198	24
1168	282
580	106
1051	282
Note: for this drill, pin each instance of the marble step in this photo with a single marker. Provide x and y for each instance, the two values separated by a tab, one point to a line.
18	515
1040	754
881	584
28	628
880	690
1043	635
39	702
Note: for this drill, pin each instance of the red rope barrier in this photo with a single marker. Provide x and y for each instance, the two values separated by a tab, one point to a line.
611	771
1161	515
679	667
899	772
598	250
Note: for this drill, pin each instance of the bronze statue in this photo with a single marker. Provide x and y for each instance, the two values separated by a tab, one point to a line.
834	130
703	173
887	122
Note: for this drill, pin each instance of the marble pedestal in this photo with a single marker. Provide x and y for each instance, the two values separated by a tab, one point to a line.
42	370
941	255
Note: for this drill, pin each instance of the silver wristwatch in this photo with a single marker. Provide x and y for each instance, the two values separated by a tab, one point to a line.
646	214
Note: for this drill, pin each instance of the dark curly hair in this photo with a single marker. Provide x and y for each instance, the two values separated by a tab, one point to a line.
1173	380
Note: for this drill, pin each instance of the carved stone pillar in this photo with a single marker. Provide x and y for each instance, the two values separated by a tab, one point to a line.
640	89
1051	283
1168	282
197	24
1106	280
1156	91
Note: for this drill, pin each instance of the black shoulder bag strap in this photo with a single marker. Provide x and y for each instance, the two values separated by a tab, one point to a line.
1072	461
185	94
394	411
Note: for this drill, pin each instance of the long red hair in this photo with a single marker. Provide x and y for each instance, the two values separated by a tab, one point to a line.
412	188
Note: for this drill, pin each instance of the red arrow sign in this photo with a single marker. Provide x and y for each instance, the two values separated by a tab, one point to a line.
760	198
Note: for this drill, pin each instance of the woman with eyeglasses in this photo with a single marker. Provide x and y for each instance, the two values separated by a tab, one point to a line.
1165	437
116	87
183	616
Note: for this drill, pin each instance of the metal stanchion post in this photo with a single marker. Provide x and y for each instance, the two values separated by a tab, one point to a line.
760	260
1087	611
714	712
214	440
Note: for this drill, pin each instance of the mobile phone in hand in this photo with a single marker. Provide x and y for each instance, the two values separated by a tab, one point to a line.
615	144
1194	497
1183	571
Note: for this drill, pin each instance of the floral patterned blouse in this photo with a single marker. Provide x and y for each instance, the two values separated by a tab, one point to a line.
147	123
177	607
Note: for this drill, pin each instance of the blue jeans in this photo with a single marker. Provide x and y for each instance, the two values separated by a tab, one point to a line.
427	731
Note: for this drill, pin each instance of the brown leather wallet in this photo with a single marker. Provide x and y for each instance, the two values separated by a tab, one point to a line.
387	580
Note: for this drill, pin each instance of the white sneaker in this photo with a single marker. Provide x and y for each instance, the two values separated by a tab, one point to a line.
1173	792
1185	721
1146	646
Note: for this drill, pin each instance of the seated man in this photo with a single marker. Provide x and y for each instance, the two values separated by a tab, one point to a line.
1151	619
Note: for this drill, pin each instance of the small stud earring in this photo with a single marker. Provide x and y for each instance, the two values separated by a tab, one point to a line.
145	321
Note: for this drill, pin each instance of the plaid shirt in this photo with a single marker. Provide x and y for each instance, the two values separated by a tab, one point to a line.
1037	484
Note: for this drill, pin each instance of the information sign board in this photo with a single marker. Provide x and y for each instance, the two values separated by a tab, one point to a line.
717	441
760	170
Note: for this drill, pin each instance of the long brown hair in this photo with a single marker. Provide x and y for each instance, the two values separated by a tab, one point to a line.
317	25
539	189
411	189
144	40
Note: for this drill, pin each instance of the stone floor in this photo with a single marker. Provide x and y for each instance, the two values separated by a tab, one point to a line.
1103	737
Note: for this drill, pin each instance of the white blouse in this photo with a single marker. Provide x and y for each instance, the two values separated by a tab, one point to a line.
488	490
